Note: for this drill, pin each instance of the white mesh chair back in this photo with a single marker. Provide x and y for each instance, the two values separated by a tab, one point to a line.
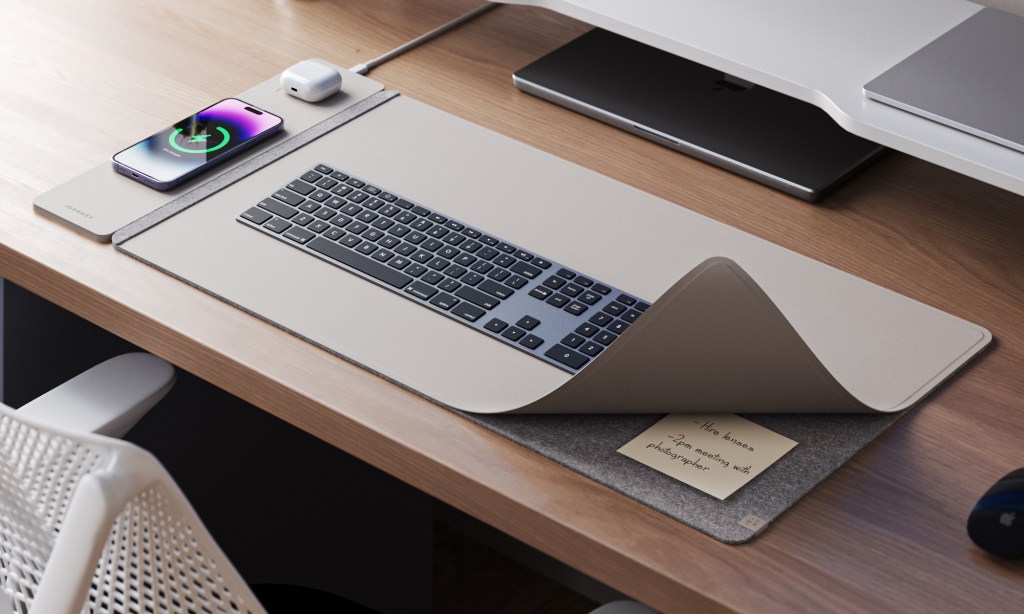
94	524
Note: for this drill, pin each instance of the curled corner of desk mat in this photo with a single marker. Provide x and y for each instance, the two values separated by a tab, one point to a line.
244	170
714	343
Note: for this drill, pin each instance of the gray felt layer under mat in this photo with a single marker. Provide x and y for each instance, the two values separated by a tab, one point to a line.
587	444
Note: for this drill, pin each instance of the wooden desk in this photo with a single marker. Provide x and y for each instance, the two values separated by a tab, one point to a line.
81	80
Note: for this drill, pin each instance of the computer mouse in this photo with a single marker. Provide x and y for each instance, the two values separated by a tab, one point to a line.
996	524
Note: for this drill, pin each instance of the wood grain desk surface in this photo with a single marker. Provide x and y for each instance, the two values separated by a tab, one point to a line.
886	532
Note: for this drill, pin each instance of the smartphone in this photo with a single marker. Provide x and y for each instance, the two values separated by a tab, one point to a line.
196	144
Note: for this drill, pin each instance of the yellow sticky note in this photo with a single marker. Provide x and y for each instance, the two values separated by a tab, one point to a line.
715	453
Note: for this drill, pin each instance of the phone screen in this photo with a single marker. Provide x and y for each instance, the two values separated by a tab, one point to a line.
195	141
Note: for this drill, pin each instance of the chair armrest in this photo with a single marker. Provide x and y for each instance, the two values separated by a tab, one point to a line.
108	399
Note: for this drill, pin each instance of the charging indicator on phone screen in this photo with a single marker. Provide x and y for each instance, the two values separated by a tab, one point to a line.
179	151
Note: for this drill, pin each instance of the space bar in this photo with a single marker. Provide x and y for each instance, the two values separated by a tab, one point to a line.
359	262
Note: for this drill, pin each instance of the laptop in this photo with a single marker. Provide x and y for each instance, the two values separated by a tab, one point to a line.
758	133
970	78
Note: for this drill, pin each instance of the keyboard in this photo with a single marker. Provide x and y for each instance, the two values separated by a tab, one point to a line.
511	294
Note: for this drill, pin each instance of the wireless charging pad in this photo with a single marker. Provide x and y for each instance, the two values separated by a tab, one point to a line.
755	132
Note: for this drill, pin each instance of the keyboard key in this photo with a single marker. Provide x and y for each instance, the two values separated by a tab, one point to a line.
321	168
318	226
278	208
399	262
324	214
449	285
540	292
309	206
583	281
601	289
558	300
382	255
618	327
371	189
256	215
416	270
453	225
513	333
340	176
554	282
566	273
357	197
626	299
405	217
532	341
299	235
468	312
524	255
351	209
504	260
477	298
389	242
471	246
589	298
464	260
326	183
631	315
487	253
601	319
591	348
383	223
495	289
515	282
569	358
571	290
334	233
392	198
605	338
437	218
448	252
421	290
444	301
438	232
575	308
496	325
486	240
342	190
399	230
302	219
642	307
505	247
454	239
366	248
422	256
528	322
481	266
544	264
573	340
350	241
277	225
300	186
472	279
498	274
525	269
418	210
356	228
587	330
405	249
311	177
373	234
320	195
355	183
471	233
613	308
374	269
367	216
457	271
432	277
431	245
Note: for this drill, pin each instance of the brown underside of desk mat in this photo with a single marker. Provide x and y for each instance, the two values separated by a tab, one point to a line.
713	343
